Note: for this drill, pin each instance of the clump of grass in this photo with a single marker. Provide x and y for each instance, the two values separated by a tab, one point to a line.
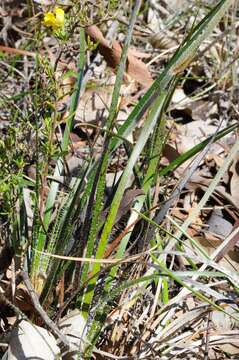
68	221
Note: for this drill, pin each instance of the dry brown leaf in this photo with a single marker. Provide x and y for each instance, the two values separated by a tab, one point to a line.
23	299
234	183
139	54
94	104
135	68
218	160
14	51
76	142
218	225
230	259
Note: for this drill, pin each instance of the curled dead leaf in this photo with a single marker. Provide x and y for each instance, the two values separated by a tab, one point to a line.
135	68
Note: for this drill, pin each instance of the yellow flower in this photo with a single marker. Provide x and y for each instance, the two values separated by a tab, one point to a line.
60	17
49	20
55	20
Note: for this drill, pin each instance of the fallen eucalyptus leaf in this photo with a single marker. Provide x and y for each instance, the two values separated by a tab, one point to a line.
112	54
73	326
28	341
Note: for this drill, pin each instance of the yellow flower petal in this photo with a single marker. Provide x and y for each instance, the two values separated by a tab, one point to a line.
60	17
49	20
55	21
